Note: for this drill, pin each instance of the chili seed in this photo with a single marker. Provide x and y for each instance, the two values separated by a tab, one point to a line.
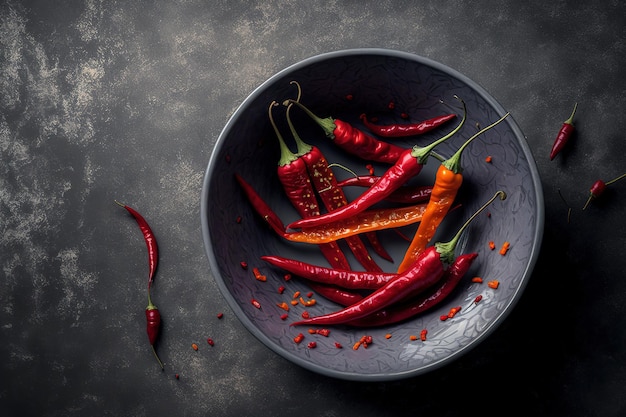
312	345
505	248
294	302
284	316
210	342
238	219
194	346
312	331
488	159
443	317
220	315
309	294
296	294
338	345
287	277
391	105
281	289
283	305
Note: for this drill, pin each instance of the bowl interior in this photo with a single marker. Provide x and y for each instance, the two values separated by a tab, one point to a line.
343	85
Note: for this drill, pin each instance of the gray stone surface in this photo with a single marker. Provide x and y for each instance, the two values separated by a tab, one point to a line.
123	100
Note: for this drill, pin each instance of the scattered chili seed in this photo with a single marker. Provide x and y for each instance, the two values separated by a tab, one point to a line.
299	338
312	345
477	280
281	289
423	334
220	315
244	264
255	303
305	315
194	346
287	277
258	275
504	249
413	337
210	342
388	336
284	316
493	284
478	299
492	245
238	219
308	303
338	345
488	159
283	305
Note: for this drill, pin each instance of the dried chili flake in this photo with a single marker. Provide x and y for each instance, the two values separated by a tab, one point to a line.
338	345
309	294
356	345
284	316
296	294
287	277
258	275
388	336
210	342
281	289
453	311
494	284
488	159
404	115
478	299
177	376
391	105
412	337
349	97
299	338
305	315
283	305
312	331
492	245
443	317
323	332
238	220
255	303
244	264
194	346
505	248
423	334
477	280
308	303
220	315
370	168
312	345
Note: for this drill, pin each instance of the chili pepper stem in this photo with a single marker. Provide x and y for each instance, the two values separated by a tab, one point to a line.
571	118
454	162
422	154
615	179
446	249
286	156
327	124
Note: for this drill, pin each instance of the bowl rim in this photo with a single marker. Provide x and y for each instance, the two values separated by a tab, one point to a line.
493	324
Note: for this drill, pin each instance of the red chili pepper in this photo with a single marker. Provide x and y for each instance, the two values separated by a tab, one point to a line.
404	195
336	294
293	175
566	131
333	197
377	245
427	270
424	301
403	130
598	188
153	319
343	278
408	165
151	243
353	140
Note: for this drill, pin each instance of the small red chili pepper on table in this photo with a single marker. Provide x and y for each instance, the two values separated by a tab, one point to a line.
566	131
410	129
153	316
598	188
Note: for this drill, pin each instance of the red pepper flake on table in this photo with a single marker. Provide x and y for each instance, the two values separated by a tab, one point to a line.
494	284
505	248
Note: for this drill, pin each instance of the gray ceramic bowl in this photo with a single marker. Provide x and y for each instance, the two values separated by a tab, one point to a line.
343	85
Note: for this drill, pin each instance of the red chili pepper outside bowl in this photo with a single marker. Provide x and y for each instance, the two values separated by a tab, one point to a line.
341	86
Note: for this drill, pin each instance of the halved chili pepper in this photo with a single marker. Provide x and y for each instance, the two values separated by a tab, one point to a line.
354	140
294	177
409	129
406	167
340	277
367	221
565	133
598	188
325	183
404	195
448	180
427	270
424	301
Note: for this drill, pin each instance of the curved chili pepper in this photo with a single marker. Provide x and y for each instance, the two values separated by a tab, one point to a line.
325	183
598	188
336	294
408	165
354	140
403	130
566	131
427	270
448	180
423	301
403	195
151	243
353	280
293	175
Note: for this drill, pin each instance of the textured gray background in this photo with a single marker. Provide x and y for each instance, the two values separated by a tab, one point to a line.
104	100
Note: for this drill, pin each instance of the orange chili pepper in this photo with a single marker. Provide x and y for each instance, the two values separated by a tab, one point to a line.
447	183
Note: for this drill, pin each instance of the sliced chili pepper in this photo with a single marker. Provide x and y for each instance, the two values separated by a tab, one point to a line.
294	177
332	196
598	188
564	135
353	140
448	181
427	270
340	277
410	129
408	165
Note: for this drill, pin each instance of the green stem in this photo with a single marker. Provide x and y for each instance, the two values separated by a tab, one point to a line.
286	156
327	124
446	250
422	154
303	147
571	118
615	179
454	162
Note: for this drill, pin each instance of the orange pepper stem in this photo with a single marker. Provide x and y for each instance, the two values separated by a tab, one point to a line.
446	249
